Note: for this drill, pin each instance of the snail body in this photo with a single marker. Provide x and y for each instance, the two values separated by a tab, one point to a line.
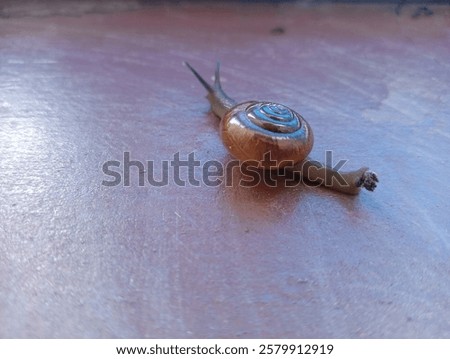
252	130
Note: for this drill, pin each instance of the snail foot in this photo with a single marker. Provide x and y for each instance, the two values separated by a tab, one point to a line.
368	180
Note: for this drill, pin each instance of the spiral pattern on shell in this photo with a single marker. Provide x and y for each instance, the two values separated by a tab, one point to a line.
251	130
273	117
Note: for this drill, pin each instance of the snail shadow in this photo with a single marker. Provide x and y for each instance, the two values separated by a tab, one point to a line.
269	196
256	194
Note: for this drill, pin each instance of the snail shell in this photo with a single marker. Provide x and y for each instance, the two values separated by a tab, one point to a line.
253	129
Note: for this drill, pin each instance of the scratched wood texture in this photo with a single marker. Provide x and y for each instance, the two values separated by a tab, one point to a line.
82	84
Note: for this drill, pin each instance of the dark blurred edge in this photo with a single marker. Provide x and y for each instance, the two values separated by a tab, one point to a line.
44	8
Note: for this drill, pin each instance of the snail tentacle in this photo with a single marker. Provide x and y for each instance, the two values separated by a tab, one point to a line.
220	102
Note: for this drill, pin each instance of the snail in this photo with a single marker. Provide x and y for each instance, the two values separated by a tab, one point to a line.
252	130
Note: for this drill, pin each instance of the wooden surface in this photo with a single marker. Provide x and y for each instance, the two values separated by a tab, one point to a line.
81	260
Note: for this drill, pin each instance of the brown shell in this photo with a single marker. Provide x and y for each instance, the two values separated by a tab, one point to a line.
253	130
